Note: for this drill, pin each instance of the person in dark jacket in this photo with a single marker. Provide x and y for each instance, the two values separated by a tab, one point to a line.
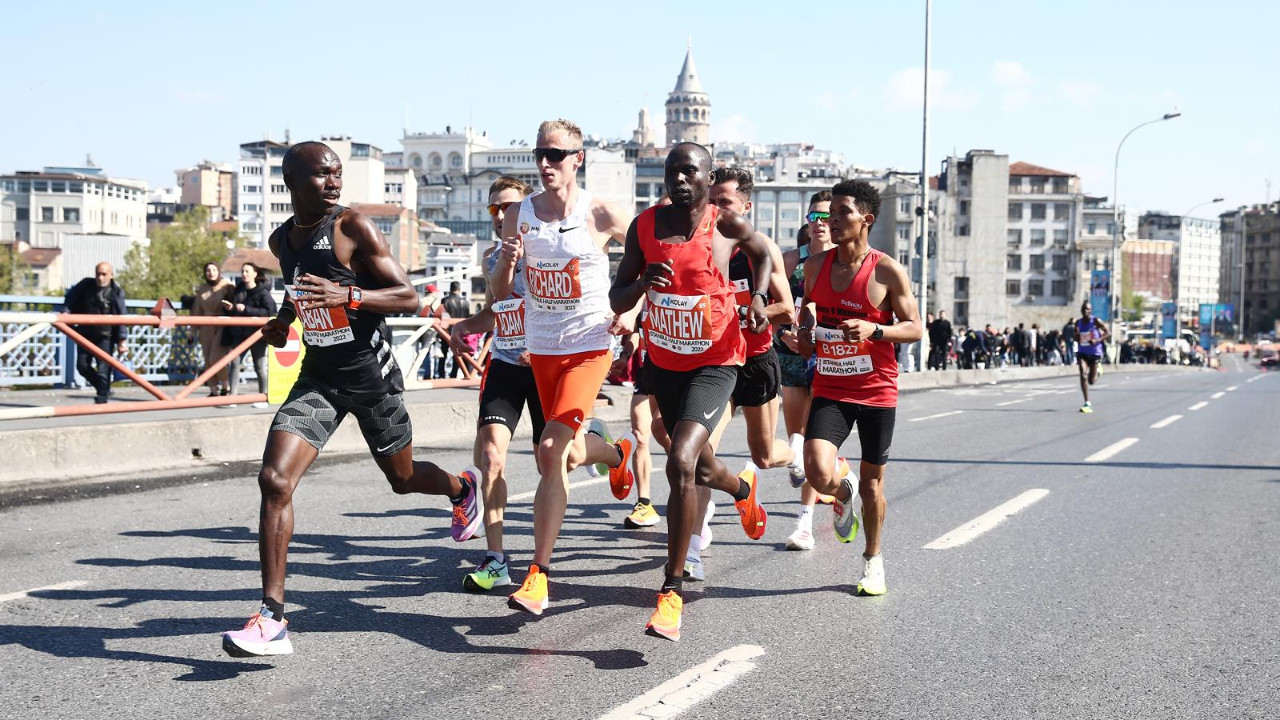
251	298
98	295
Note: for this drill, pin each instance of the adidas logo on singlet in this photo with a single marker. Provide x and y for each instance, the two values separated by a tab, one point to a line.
322	243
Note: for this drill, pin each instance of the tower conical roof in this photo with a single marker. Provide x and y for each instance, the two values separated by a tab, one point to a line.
688	81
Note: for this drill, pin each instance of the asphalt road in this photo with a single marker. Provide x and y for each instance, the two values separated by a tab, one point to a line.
1144	584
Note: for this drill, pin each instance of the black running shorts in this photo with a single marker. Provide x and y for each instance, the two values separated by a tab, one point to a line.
758	380
504	391
832	420
700	395
315	409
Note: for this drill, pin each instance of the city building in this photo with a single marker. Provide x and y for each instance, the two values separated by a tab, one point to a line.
1045	208
37	270
1198	262
209	184
688	107
1251	256
399	225
401	187
363	170
974	246
163	206
264	202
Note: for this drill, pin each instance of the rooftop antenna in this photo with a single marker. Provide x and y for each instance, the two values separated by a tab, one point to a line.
1267	182
286	135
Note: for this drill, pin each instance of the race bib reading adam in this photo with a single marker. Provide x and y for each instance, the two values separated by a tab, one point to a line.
509	324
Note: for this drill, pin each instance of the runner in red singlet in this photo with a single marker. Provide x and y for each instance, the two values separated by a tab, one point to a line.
678	258
852	294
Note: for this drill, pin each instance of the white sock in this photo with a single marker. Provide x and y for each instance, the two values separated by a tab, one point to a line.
797	447
751	467
695	553
501	558
805	521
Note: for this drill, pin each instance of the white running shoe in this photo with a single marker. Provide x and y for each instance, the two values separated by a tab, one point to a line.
704	538
872	582
596	426
801	539
693	569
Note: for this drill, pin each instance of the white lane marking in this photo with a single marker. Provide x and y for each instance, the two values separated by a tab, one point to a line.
934	417
1216	395
986	521
690	687
26	593
1233	388
1166	422
584	483
1107	452
1197	406
1013	402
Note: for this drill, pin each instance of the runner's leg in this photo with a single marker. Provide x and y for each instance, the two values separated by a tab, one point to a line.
286	458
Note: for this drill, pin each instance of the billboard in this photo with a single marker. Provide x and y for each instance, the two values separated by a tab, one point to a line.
1100	294
1169	321
1215	319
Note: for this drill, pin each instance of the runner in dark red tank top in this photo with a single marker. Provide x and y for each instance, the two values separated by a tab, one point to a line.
678	256
852	295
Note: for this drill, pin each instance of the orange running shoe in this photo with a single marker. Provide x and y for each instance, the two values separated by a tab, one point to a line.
754	518
665	621
532	595
621	478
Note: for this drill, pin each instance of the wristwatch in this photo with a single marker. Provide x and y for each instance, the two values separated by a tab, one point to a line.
878	334
764	294
355	296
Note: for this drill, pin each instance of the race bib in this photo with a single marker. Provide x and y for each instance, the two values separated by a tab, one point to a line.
679	323
554	284
838	357
742	296
509	324
322	327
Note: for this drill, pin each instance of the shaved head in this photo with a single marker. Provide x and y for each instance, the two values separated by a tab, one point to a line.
692	151
300	158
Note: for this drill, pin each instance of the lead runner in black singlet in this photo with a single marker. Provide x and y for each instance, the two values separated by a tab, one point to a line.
343	280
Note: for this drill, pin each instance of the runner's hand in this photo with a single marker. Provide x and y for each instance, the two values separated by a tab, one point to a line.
657	275
788	338
757	320
275	332
802	341
857	330
313	291
512	251
621	326
524	359
457	339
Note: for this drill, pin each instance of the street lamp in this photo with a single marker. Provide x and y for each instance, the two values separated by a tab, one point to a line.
1115	215
1200	205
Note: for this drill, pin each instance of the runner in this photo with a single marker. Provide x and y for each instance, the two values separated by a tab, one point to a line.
1091	332
561	234
852	295
797	372
344	280
677	257
505	389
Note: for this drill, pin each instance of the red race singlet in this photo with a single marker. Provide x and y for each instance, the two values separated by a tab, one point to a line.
864	372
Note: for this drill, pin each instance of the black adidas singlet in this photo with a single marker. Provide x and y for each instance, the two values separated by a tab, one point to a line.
347	349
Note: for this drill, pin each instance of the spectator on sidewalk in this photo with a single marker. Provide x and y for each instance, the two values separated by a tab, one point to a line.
206	302
98	295
251	298
939	341
1069	342
456	307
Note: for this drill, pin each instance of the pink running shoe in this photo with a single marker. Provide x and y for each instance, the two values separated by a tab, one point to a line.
260	637
468	514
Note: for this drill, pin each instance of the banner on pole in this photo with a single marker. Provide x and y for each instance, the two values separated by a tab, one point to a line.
1100	294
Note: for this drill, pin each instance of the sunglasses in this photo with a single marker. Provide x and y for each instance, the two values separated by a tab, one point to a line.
816	216
495	208
554	155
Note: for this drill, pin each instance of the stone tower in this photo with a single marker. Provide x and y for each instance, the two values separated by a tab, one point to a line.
643	134
688	107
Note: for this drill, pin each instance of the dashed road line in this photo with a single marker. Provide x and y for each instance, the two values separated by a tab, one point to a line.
986	520
690	687
584	483
1233	388
1201	404
1111	450
70	585
1216	395
1166	422
934	417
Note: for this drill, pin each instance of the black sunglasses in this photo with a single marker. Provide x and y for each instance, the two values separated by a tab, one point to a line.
554	155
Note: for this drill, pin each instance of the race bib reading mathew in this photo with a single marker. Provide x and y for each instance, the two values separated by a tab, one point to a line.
838	357
554	284
679	323
322	327
509	324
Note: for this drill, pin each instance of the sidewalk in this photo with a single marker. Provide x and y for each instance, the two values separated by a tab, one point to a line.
87	446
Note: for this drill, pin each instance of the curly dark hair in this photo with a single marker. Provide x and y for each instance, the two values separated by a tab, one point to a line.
865	196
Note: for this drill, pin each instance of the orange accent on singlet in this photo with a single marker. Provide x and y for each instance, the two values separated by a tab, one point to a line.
693	322
568	384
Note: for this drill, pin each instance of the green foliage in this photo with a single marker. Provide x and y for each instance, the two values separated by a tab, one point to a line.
13	270
172	264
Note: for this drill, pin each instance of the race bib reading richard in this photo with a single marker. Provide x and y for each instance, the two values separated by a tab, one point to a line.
679	323
838	357
554	284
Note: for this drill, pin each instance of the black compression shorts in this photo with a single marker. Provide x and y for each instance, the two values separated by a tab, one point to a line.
832	421
315	409
504	390
700	395
758	380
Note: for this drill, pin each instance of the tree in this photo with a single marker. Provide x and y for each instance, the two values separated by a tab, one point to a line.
13	270
170	266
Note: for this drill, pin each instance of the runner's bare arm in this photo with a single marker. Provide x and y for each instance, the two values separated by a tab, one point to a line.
1104	333
502	279
359	245
611	223
907	328
481	322
783	310
756	247
627	288
276	330
808	319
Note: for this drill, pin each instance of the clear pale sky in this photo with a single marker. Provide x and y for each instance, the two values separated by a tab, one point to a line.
151	87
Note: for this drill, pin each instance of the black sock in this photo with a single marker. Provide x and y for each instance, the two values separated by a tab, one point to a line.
673	584
744	490
276	607
462	480
538	568
645	501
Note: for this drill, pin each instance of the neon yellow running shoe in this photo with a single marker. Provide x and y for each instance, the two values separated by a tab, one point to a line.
642	516
489	575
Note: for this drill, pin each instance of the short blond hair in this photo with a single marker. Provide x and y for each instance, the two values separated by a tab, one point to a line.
550	126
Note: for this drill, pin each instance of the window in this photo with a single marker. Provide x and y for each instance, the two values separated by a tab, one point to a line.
1061	211
251	170
415	160
789	196
1037	211
962	288
1058	288
1015	211
251	189
1014	237
1015	185
1035	288
71	215
1037	262
1037	185
1060	238
1013	262
642	189
1037	238
40	186
252	207
1059	262
277	171
1060	185
1091	228
77	188
763	214
436	161
23	214
789	214
455	160
964	207
359	150
58	186
904	205
904	232
280	189
1012	287
384	226
46	214
962	231
281	207
24	186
